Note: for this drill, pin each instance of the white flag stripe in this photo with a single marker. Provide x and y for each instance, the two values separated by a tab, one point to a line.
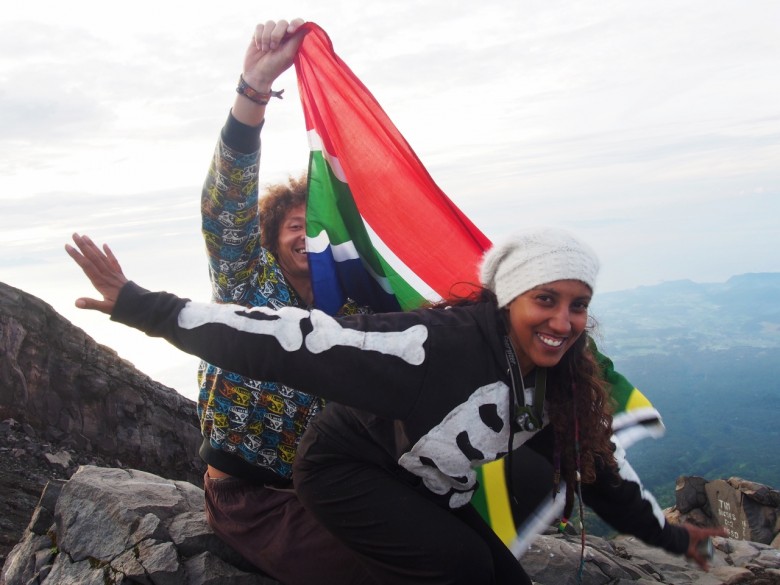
402	269
342	252
315	144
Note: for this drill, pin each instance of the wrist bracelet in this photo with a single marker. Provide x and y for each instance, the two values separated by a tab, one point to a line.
258	97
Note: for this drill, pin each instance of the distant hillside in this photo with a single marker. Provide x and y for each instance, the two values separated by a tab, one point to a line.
683	315
708	357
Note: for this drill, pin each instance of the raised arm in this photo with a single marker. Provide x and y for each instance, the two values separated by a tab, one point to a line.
270	53
229	198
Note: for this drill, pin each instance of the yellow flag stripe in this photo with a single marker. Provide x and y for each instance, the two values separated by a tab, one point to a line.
494	484
637	400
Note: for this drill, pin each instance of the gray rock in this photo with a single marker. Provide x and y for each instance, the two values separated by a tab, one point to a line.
748	510
127	526
760	493
744	516
58	383
67	401
554	560
24	561
689	493
732	575
207	569
160	562
667	567
61	458
123	526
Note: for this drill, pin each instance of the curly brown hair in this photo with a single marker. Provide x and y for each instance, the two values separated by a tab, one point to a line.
581	410
277	201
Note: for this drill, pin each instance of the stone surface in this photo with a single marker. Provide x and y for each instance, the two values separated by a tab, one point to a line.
748	510
689	493
554	559
67	401
740	512
123	526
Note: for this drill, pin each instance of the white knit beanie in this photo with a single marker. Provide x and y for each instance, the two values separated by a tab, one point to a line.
535	257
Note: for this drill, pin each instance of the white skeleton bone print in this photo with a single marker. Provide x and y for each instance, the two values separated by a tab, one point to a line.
285	326
480	429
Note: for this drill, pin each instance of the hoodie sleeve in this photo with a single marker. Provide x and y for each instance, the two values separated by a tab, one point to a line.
621	500
230	223
376	363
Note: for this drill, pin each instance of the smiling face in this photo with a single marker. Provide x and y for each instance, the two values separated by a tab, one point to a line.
291	246
546	321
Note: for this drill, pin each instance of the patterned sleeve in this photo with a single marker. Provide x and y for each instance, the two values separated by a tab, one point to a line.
230	222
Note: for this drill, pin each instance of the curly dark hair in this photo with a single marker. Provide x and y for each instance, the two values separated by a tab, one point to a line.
277	201
578	399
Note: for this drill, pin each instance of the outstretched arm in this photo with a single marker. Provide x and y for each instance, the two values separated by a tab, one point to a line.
229	208
103	270
619	498
310	351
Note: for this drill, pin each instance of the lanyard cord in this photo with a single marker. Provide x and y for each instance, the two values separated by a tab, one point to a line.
528	417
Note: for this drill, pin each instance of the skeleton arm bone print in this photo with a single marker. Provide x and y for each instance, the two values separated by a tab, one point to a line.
285	326
407	344
306	350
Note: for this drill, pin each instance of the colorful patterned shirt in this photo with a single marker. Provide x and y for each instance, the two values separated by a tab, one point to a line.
251	428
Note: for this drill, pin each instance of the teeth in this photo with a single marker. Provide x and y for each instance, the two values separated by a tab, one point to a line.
550	341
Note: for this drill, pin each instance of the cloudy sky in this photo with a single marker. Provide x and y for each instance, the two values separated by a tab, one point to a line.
652	128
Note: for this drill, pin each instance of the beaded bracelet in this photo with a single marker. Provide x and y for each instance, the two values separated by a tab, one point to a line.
258	97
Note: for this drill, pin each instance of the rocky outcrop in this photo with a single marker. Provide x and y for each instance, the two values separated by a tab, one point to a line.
65	400
113	526
80	394
748	510
555	560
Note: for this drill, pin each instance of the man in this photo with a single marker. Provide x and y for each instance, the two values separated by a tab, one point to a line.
257	257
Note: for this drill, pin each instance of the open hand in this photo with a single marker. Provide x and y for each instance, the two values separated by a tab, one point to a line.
103	270
697	535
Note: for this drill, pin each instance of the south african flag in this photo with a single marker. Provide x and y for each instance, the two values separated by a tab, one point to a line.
366	179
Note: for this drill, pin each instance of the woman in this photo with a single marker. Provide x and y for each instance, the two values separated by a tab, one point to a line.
423	398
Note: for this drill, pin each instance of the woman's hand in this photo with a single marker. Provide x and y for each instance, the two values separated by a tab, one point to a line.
697	536
103	270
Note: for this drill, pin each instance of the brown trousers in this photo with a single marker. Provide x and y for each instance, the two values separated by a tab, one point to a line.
271	529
